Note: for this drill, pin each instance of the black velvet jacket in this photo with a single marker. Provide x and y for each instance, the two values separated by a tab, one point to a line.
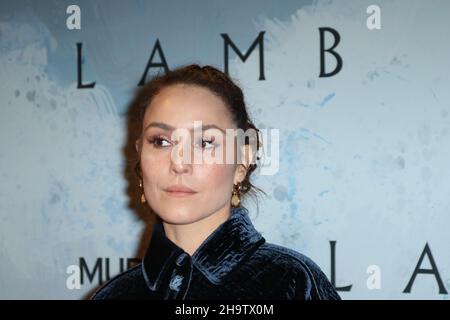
234	262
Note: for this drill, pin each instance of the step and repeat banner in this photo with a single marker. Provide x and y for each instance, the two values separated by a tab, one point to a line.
358	91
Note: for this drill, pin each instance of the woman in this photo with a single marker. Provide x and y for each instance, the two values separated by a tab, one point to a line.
204	245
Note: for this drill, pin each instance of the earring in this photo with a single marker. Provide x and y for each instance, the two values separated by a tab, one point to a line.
143	200
235	198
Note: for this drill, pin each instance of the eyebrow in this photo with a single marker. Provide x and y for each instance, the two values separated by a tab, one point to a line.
168	127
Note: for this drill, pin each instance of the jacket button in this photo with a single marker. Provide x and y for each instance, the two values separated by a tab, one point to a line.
181	259
176	282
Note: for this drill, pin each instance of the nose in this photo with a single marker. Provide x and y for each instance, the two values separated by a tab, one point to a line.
179	168
180	158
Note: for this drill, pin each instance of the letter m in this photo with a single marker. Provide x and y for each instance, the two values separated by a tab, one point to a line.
258	41
97	268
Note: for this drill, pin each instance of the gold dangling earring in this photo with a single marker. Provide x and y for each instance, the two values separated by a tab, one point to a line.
143	200
235	198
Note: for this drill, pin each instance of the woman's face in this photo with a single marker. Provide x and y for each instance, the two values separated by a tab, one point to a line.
177	107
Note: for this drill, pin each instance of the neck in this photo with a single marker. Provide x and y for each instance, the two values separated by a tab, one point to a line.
189	237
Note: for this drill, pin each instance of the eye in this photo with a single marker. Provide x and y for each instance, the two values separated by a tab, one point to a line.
159	142
207	144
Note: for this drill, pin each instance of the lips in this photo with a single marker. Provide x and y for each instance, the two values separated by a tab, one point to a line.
180	191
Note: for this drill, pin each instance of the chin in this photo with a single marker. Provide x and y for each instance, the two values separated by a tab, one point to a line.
178	215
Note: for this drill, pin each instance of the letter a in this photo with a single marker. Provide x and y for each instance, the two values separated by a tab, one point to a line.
74	20
74	280
374	20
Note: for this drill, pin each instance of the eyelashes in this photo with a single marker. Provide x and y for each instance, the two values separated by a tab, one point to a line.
161	142
158	140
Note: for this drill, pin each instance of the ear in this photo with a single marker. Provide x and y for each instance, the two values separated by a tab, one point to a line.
246	159
138	145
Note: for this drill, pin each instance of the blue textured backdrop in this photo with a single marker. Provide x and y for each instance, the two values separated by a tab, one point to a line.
364	155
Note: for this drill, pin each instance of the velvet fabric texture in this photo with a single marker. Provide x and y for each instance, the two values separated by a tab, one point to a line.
235	262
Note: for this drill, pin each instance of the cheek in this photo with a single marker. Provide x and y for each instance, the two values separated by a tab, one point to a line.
152	166
215	177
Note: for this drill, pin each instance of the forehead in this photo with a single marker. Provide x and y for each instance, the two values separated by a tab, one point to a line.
180	105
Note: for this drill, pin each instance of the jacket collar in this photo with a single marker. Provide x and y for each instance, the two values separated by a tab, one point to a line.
222	251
